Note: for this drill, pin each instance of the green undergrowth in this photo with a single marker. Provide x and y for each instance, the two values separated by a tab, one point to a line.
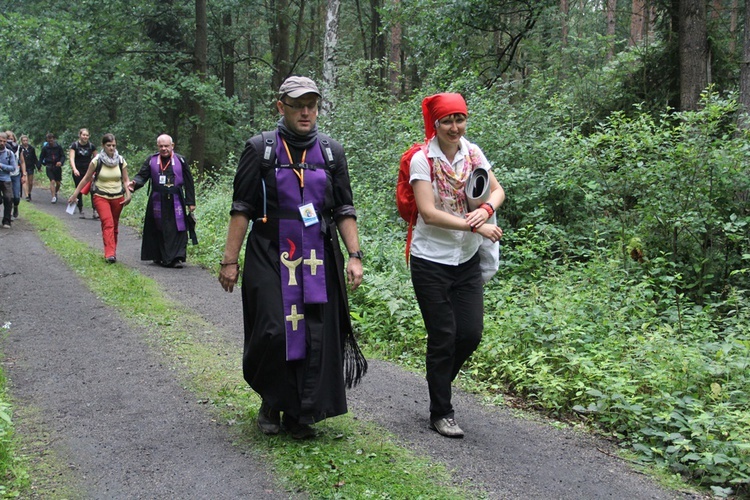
349	459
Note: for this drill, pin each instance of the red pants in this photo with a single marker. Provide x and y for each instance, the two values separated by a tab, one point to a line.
109	214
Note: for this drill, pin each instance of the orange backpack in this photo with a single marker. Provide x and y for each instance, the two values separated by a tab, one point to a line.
405	202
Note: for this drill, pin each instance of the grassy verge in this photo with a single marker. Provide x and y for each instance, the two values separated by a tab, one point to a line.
14	476
349	459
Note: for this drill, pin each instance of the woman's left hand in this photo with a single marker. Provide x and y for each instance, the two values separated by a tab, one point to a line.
477	217
125	200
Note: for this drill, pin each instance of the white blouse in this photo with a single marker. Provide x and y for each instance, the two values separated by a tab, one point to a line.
444	246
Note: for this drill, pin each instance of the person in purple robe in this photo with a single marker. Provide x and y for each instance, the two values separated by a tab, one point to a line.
171	203
293	185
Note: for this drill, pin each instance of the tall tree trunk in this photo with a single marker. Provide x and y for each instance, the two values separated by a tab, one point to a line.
200	66
298	47
693	53
611	26
745	67
329	53
733	27
378	39
227	49
279	37
564	11
395	58
637	21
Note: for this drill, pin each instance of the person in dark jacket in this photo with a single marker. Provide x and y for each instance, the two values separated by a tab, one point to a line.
300	352
32	164
53	158
80	153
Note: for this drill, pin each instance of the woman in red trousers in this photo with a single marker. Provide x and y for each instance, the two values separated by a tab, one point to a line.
109	172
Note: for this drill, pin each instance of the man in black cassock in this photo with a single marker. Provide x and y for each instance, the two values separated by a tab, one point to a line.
171	203
293	183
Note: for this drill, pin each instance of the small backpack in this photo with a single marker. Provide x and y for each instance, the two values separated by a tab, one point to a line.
405	202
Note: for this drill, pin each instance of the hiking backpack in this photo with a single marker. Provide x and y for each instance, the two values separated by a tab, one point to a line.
405	202
265	145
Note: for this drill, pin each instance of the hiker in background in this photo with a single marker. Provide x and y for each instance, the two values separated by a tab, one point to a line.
31	163
19	174
171	203
53	159
444	251
8	164
293	182
81	152
108	174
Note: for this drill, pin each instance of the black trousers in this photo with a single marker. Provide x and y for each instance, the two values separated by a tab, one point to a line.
6	191
451	301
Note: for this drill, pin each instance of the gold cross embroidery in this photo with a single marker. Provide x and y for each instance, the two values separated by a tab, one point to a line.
295	318
313	262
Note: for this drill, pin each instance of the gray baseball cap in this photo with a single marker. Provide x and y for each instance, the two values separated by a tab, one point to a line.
297	86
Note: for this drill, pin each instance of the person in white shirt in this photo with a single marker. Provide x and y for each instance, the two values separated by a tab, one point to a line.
445	266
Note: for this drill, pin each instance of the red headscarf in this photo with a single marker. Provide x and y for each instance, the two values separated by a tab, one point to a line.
438	106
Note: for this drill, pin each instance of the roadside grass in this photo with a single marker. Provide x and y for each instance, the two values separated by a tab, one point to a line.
349	459
14	476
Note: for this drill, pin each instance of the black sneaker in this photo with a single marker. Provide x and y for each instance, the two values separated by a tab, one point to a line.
15	211
111	260
268	420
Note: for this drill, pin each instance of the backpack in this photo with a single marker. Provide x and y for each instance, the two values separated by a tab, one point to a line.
265	146
267	149
405	202
91	186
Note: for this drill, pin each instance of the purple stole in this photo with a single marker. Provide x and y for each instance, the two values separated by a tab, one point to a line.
301	249
179	213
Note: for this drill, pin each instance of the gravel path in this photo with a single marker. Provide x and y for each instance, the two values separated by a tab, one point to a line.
129	430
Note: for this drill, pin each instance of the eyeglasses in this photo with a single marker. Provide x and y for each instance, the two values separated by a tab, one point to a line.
299	106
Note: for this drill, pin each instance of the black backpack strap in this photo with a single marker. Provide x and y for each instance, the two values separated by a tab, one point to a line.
326	144
267	150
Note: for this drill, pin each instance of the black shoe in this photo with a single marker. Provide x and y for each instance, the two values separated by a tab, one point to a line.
15	211
111	260
28	198
297	430
268	420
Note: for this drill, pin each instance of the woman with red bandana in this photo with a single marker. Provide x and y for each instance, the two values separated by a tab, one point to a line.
445	267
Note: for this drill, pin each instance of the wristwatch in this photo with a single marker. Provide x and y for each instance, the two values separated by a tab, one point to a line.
356	255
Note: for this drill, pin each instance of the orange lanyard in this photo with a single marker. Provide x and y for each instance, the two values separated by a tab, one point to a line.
300	172
162	167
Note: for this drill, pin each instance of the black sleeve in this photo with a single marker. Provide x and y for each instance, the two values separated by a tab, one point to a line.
247	180
188	184
143	175
342	189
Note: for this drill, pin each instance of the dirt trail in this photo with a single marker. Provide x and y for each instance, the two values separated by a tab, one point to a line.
129	430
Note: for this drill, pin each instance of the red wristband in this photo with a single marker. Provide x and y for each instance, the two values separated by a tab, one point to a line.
487	207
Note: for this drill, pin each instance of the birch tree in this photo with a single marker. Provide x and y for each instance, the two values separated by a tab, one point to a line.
329	53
